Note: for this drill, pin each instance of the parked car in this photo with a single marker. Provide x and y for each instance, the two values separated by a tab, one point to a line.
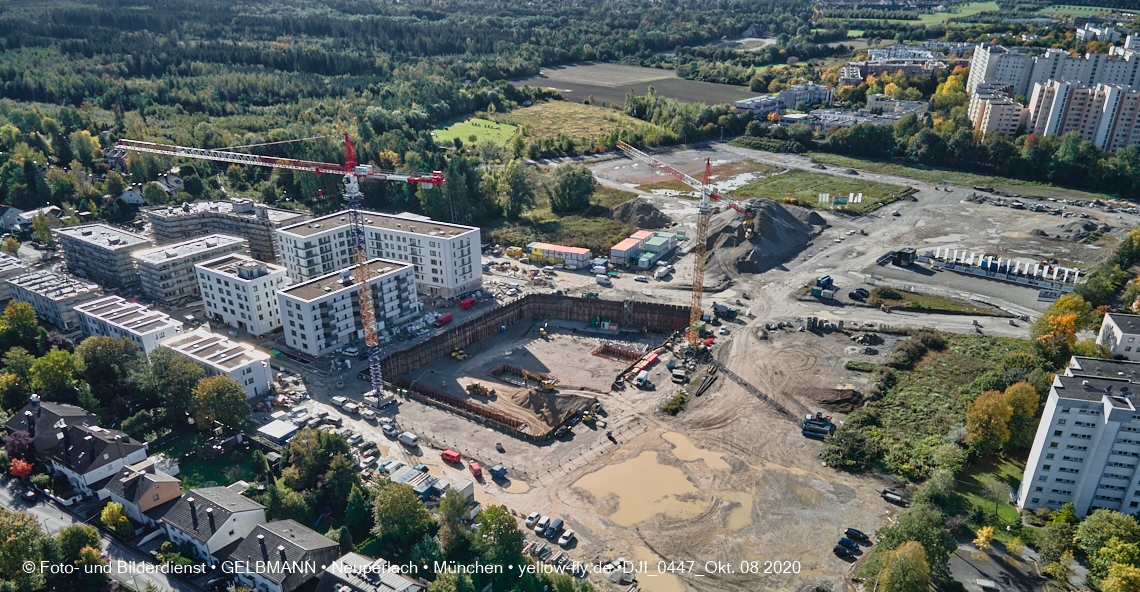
850	544
366	446
863	292
368	414
554	529
855	296
298	412
531	519
29	495
567	535
540	526
856	534
354	438
639	278
476	469
339	401
390	431
301	419
841	551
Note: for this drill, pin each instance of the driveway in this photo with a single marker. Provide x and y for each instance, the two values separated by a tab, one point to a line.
128	564
970	565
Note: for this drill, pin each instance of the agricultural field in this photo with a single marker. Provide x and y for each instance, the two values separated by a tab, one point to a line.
482	129
804	187
608	83
550	118
936	175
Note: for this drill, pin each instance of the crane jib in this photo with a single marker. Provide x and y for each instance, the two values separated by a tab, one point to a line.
362	171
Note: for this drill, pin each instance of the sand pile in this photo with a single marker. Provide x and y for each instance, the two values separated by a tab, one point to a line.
780	233
552	407
837	400
641	214
1080	231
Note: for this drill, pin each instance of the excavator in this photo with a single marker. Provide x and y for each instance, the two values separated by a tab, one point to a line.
542	331
474	388
458	354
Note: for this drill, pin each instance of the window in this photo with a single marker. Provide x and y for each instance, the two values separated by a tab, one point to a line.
1058	433
1050	456
1046	467
1036	500
1061	421
154	498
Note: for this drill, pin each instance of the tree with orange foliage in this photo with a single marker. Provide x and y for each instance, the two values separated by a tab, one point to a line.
20	468
987	422
773	116
1054	334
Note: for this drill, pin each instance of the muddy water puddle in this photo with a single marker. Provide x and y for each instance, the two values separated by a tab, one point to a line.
644	489
687	451
653	580
739	517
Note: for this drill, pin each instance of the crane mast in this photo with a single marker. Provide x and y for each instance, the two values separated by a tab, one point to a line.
352	173
704	212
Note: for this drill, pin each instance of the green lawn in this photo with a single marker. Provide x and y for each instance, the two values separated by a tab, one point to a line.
973	480
1068	9
197	471
547	119
482	129
804	187
928	302
947	176
964	10
594	230
854	33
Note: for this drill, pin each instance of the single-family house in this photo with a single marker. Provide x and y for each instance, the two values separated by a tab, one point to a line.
43	420
142	487
89	455
213	520
257	560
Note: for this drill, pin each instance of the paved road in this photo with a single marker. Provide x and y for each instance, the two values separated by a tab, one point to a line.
55	519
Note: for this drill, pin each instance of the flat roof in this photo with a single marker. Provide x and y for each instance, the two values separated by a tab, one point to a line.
335	282
1086	388
278	429
625	245
558	248
221	207
214	349
228	265
641	234
103	236
186	248
52	285
378	220
129	315
8	262
1102	368
658	241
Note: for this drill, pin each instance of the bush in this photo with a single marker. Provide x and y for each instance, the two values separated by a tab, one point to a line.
878	295
906	353
848	449
676	403
859	366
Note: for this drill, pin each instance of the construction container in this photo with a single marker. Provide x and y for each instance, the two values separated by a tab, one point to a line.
571	257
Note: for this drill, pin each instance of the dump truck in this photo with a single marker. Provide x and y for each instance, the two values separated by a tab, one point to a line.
724	312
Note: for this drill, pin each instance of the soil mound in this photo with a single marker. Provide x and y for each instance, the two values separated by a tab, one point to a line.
640	213
1080	231
837	400
779	235
551	407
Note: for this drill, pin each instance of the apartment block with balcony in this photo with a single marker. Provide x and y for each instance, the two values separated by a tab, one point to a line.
445	256
219	356
113	316
1086	448
324	313
101	253
1106	115
54	296
242	292
167	272
254	222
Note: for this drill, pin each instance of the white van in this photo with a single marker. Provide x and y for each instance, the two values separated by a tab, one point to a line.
642	378
339	401
604	280
368	414
661	272
409	439
351	352
351	408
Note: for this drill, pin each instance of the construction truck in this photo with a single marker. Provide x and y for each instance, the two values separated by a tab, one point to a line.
474	388
458	354
724	312
542	331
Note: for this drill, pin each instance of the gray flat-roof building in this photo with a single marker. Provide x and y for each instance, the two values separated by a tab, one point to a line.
54	296
167	272
113	316
254	222
9	267
101	253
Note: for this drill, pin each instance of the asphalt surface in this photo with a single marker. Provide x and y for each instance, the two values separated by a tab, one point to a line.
127	562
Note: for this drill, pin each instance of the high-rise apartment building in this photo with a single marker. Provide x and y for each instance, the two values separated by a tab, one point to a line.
445	256
238	217
1019	67
242	292
1106	115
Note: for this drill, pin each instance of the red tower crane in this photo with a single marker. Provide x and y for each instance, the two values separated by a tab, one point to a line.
352	173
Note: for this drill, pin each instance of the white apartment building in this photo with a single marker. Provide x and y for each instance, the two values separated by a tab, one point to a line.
1120	333
1086	448
1087	32
242	292
54	296
1106	115
113	316
1018	67
218	355
167	272
445	256
9	267
992	109
324	313
101	253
